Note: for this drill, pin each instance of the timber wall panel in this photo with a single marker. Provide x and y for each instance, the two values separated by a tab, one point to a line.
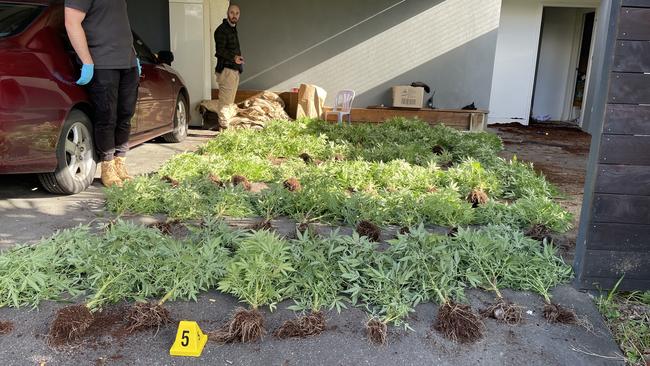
614	264
614	237
627	119
632	56
634	24
623	179
623	209
620	237
625	150
629	88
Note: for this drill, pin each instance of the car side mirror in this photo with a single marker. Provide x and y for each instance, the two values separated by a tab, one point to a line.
166	57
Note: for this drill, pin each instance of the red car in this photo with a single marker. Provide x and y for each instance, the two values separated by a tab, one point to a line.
45	118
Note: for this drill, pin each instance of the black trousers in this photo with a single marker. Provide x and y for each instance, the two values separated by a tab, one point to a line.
114	94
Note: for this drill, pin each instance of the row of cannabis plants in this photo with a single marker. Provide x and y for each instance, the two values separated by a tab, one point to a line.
127	262
402	173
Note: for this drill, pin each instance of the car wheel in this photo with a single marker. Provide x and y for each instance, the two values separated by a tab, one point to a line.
180	122
75	153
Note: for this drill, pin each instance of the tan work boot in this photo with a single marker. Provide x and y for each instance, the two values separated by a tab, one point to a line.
120	168
109	174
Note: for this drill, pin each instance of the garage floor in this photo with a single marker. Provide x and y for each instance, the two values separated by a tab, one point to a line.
28	214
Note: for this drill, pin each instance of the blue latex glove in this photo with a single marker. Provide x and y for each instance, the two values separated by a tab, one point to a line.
137	61
87	72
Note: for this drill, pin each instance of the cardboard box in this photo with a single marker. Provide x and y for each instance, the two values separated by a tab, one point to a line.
408	97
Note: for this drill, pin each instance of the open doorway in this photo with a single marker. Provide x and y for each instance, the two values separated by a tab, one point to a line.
563	64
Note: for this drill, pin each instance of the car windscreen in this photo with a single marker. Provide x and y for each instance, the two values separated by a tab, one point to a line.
14	18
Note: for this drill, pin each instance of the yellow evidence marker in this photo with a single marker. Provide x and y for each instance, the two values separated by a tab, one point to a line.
190	340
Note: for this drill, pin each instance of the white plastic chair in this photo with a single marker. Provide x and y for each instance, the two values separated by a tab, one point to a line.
343	106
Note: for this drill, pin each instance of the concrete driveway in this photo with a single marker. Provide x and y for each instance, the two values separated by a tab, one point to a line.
28	212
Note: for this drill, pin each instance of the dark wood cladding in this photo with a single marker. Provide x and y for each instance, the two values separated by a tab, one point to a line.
622	209
629	88
637	3
620	237
634	24
615	264
625	150
632	56
623	179
627	119
614	234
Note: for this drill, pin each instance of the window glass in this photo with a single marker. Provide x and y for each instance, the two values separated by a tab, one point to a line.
14	18
144	53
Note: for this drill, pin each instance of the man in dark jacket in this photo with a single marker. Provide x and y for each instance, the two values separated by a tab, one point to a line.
229	61
100	33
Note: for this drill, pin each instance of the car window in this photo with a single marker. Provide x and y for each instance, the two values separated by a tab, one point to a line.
14	18
144	53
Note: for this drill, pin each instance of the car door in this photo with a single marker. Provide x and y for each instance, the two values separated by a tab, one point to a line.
156	101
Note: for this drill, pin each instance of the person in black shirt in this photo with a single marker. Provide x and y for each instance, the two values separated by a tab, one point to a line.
100	33
229	61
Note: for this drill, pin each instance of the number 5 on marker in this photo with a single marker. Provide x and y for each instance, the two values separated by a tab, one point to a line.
190	340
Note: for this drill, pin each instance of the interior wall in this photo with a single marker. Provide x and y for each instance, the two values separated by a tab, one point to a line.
150	20
555	58
516	57
372	45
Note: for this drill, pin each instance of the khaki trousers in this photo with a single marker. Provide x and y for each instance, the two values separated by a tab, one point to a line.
228	81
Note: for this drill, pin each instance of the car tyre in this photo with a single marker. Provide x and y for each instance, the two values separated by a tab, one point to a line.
75	153
180	121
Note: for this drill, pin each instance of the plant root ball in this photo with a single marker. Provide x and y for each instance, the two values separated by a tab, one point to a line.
302	327
166	228
369	230
216	180
6	328
306	158
241	180
262	225
292	185
70	323
438	150
459	323
246	326
505	312
377	332
171	181
145	315
405	230
477	197
538	232
555	313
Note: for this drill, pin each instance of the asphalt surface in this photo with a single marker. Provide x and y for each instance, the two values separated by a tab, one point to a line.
27	214
535	342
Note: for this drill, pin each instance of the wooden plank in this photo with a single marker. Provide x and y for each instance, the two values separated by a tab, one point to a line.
623	179
613	264
627	119
622	209
632	56
619	237
456	119
625	150
637	3
599	283
629	88
634	24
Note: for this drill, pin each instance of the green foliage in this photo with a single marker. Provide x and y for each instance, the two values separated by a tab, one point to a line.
628	317
316	281
259	269
386	173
